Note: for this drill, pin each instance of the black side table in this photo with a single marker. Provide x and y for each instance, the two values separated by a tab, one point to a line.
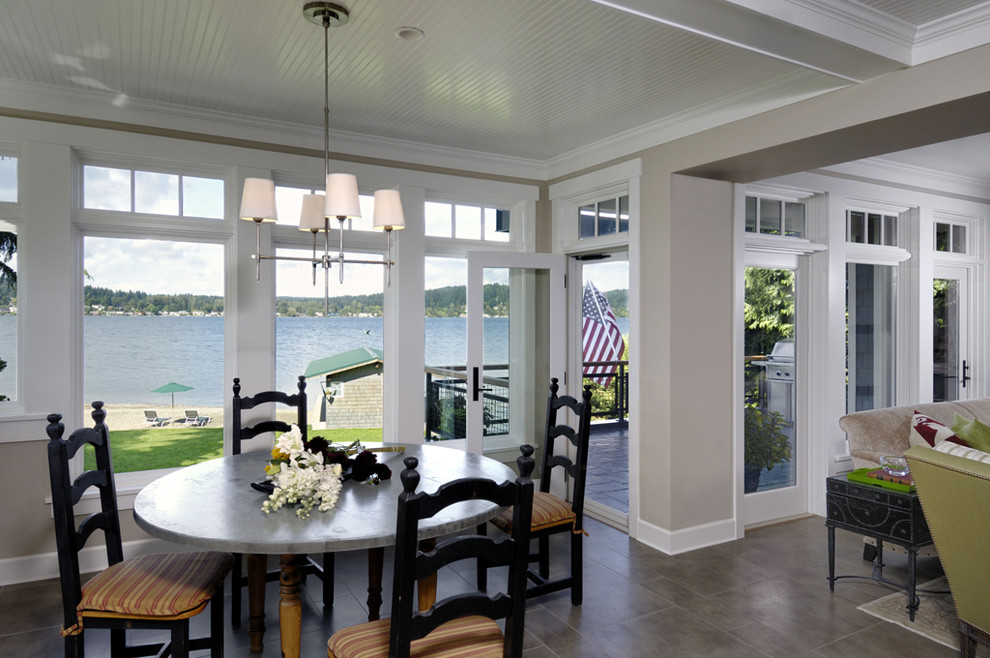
885	515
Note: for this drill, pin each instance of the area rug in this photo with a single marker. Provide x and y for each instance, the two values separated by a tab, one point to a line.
935	618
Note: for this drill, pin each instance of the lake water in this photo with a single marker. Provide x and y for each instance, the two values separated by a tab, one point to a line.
128	356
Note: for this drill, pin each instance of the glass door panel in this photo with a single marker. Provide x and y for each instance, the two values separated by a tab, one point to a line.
516	343
951	373
770	370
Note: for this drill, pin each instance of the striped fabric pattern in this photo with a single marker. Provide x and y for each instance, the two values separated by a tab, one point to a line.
548	511
963	451
475	636
172	586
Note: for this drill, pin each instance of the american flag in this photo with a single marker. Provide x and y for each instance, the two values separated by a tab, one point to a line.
601	339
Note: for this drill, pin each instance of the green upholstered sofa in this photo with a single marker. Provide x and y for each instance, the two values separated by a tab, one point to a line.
878	432
955	496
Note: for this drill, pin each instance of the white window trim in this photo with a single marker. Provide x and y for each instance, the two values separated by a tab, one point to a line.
570	195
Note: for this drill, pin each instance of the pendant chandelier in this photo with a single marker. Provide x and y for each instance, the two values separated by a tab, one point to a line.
341	198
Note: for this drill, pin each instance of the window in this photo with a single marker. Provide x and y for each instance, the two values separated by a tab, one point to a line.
154	318
950	237
8	312
8	178
445	330
871	292
775	217
866	227
602	218
288	203
466	222
336	352
152	192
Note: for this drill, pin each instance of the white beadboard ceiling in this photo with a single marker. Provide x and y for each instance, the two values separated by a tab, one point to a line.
530	79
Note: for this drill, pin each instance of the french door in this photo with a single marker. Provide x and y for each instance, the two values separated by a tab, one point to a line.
775	438
951	366
517	341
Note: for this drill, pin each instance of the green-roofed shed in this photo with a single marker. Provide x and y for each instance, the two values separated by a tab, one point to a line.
351	383
329	366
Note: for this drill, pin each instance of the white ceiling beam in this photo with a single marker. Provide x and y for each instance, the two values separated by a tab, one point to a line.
815	41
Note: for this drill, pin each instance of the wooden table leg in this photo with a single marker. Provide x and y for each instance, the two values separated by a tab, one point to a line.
289	606
257	566
376	562
426	588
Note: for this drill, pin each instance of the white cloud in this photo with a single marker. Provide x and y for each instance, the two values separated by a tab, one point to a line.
155	266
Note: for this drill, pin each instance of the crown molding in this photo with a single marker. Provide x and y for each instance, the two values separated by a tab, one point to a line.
850	22
960	31
99	107
883	171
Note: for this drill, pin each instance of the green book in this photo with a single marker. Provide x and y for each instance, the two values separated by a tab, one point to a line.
865	476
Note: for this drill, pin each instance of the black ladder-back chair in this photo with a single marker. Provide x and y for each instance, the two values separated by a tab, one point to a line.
551	514
187	582
472	629
309	567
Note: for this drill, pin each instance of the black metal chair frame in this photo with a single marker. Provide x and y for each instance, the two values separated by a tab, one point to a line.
309	567
413	564
576	470
71	539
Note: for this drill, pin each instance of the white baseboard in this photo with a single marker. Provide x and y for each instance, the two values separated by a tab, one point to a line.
687	539
43	566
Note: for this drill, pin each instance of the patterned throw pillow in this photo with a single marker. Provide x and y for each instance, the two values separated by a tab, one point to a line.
962	451
928	432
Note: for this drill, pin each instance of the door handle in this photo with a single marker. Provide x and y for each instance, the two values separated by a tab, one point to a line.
965	373
476	387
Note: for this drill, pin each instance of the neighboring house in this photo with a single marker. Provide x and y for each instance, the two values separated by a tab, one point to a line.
350	393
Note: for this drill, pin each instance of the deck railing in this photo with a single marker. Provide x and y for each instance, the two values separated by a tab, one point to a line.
609	402
446	402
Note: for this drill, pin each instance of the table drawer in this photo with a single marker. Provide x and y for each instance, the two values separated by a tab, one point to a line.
879	514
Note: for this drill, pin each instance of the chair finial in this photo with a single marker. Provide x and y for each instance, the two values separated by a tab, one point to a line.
409	477
99	413
55	429
525	461
237	387
302	383
554	387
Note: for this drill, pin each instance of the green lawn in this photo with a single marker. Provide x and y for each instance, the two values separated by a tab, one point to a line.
168	447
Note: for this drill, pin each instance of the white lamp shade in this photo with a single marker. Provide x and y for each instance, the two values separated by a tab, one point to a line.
311	217
342	196
388	211
258	200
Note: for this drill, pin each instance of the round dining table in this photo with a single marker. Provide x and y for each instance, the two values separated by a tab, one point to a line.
212	505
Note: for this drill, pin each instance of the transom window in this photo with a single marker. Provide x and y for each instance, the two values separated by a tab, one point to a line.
466	222
950	237
288	203
865	227
606	217
152	192
775	217
8	178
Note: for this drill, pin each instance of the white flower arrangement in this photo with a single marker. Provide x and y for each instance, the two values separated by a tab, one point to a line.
300	477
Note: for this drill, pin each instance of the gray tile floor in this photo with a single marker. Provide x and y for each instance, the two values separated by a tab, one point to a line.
608	466
765	595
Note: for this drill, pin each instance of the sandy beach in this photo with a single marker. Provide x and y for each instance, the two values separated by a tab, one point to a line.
131	416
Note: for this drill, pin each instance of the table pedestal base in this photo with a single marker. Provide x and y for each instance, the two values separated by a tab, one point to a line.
289	606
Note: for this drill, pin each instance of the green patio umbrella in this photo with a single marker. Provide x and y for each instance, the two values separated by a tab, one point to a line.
172	388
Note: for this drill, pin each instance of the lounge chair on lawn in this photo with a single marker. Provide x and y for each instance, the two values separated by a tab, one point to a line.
193	418
152	418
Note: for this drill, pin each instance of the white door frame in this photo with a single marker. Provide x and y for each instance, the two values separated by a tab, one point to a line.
557	317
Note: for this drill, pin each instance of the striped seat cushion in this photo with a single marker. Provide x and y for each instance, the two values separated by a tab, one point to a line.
548	511
167	586
478	637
